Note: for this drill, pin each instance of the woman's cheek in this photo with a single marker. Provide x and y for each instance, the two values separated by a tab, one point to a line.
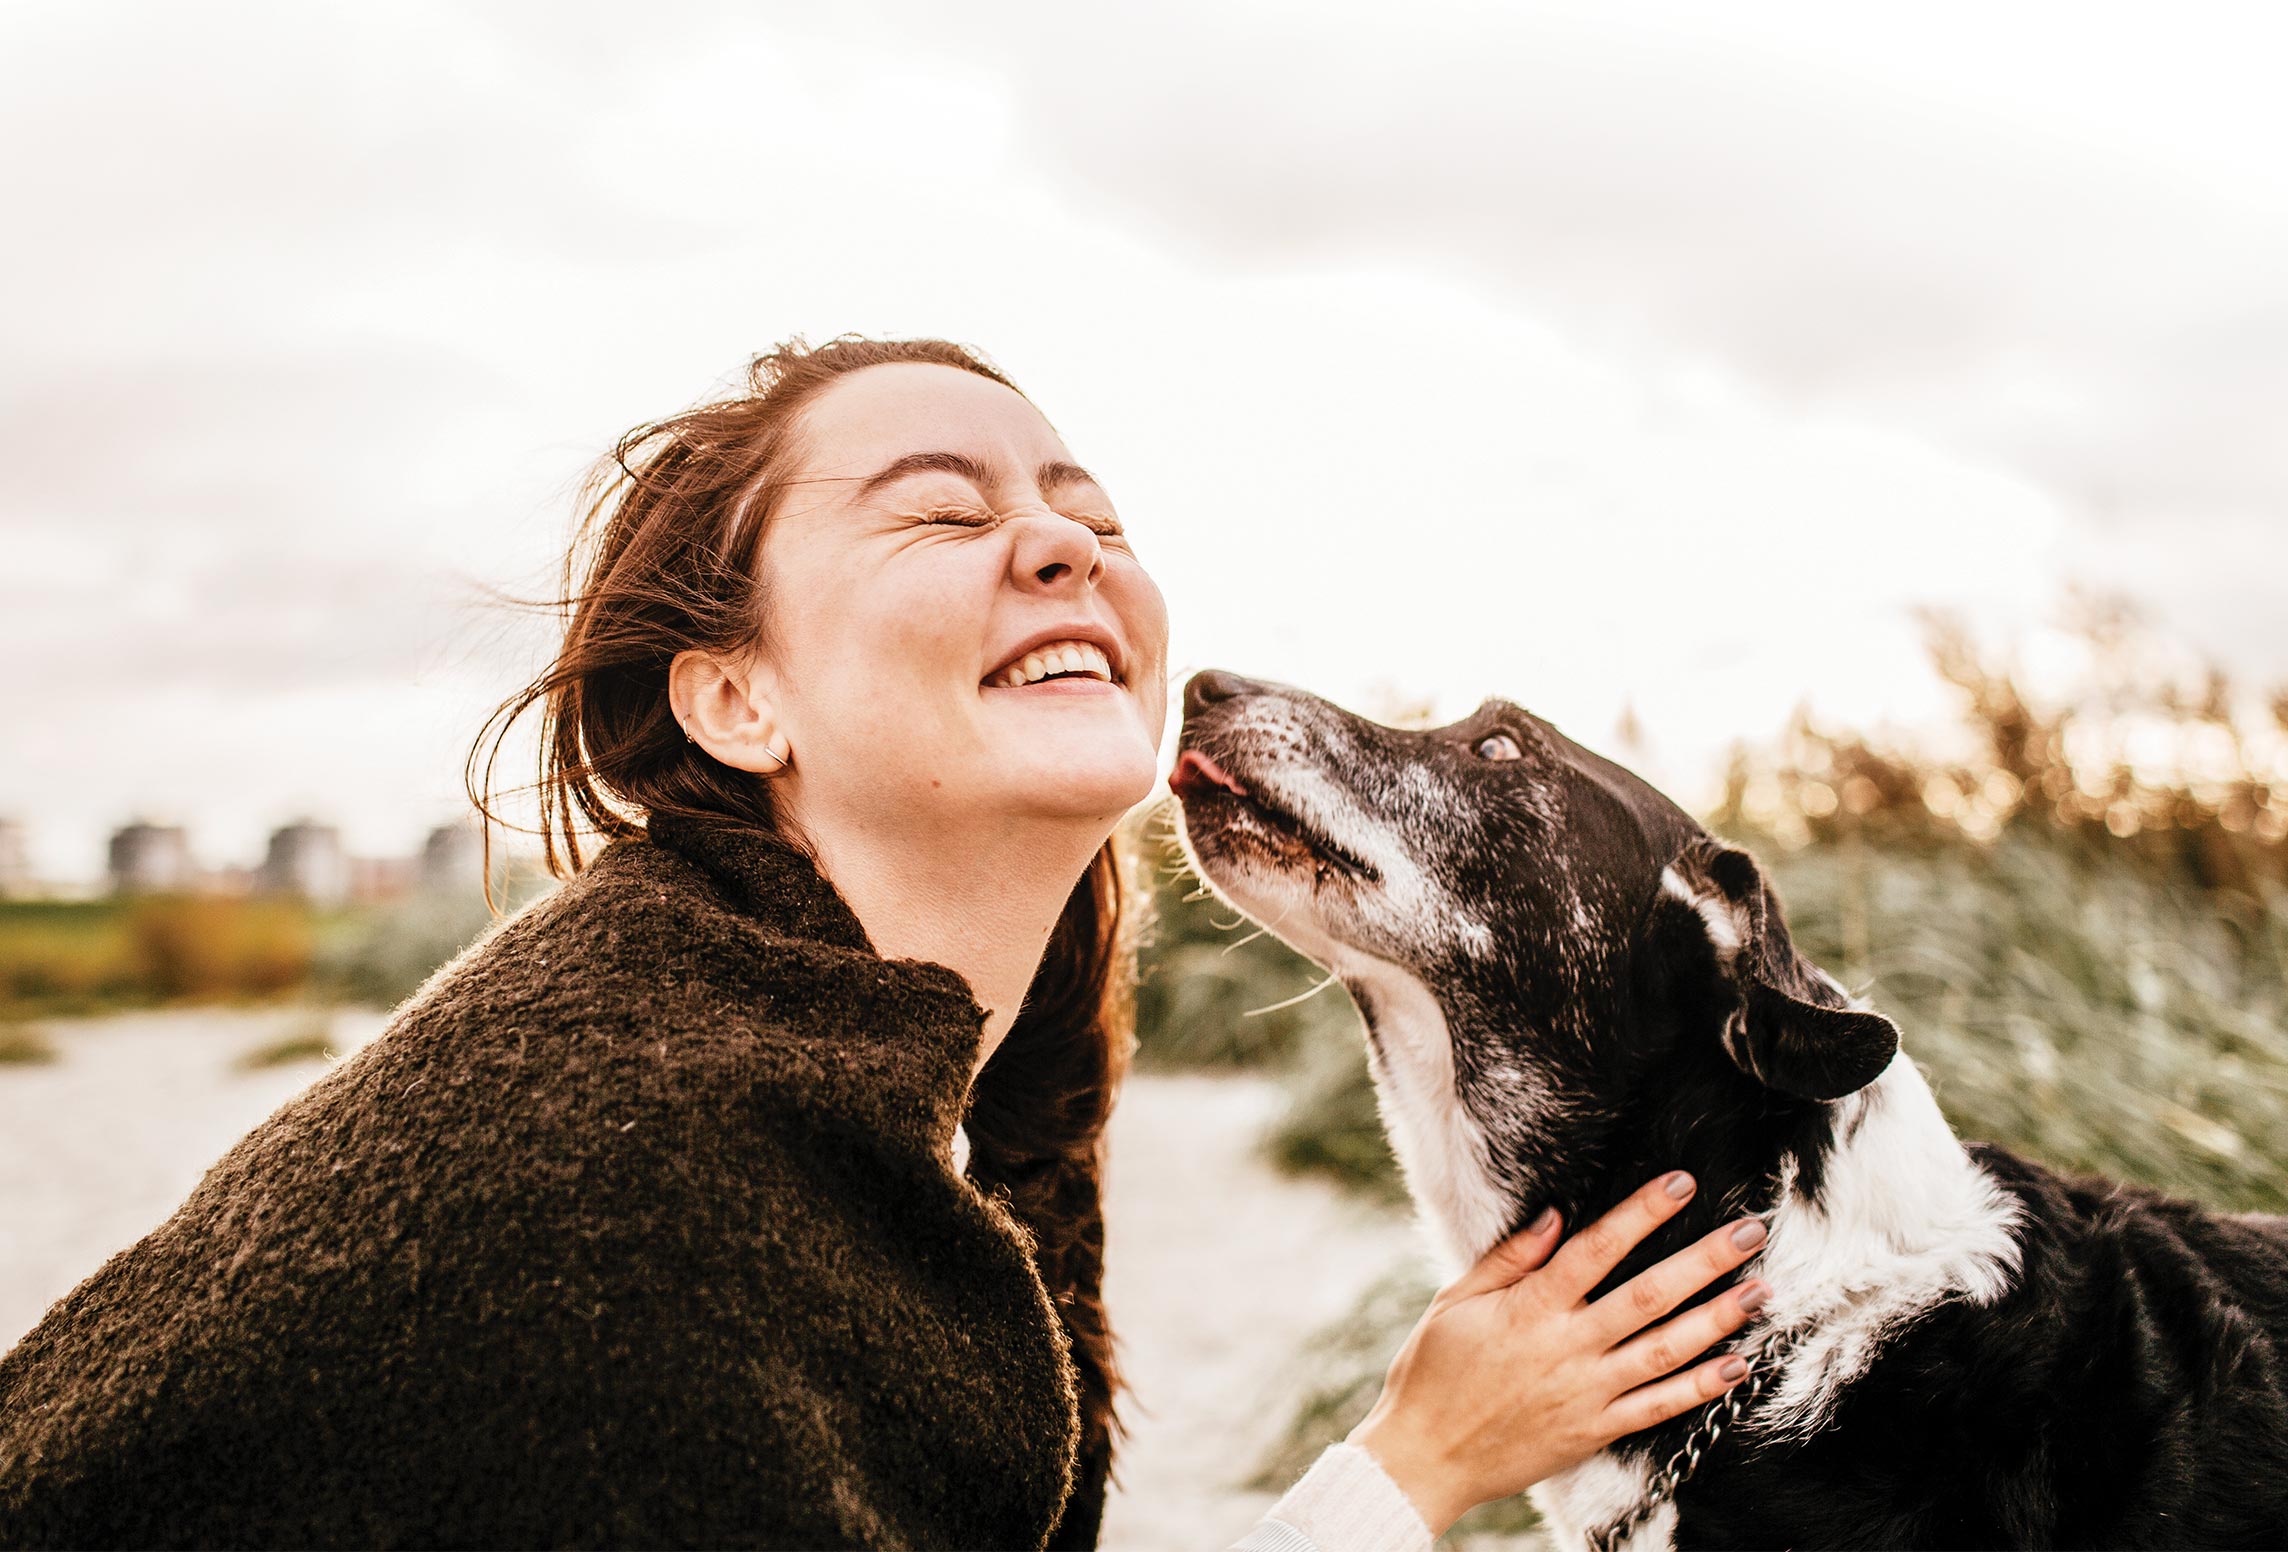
1150	635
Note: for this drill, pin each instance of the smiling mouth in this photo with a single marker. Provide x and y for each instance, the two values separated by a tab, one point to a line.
1056	662
1207	790
1054	682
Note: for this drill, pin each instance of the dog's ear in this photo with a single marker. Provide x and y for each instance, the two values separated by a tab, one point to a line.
1781	1021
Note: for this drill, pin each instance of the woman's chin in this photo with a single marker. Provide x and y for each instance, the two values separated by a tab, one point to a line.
1084	779
1074	754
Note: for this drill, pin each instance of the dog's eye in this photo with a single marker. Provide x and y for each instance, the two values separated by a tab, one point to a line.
1498	746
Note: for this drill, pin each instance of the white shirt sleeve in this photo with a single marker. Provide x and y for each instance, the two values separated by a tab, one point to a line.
1346	1502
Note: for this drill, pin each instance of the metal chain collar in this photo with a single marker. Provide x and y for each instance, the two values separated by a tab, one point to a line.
1720	1414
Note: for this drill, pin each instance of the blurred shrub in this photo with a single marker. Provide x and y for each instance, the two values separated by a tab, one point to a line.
1331	1125
72	957
79	956
1211	984
2136	746
382	953
60	956
200	946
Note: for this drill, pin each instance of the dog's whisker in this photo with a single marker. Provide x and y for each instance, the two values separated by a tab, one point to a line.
1290	1002
1243	942
1273	925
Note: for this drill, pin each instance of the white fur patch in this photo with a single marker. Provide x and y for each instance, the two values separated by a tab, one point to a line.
1903	1222
1407	891
1723	925
1599	1491
1440	1146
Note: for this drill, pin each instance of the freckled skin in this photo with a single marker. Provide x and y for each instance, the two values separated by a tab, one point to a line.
887	611
930	531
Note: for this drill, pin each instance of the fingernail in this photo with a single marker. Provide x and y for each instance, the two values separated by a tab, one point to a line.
1678	1185
1752	1297
1734	1368
1748	1235
1544	1223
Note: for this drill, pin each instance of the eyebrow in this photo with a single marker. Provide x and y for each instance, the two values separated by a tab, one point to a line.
1053	473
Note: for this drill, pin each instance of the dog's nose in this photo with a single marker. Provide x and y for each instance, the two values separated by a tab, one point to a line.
1211	685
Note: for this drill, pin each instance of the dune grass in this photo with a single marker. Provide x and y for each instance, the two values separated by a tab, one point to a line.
72	957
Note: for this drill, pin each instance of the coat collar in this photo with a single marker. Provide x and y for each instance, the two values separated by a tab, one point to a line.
766	877
780	887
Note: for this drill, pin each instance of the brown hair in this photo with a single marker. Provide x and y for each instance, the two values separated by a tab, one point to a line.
664	561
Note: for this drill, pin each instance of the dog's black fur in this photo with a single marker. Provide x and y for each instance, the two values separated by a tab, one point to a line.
2126	1384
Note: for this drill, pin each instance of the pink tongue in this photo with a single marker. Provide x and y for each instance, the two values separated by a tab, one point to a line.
1195	772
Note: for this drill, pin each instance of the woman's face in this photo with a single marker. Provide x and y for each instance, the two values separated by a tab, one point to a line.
956	628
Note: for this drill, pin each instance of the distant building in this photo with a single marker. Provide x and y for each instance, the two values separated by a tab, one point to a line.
453	860
150	859
16	881
307	859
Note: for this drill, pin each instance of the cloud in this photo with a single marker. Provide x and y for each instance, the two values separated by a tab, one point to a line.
2053	236
1578	353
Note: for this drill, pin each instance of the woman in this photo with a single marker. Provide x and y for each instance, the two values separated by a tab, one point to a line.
745	1190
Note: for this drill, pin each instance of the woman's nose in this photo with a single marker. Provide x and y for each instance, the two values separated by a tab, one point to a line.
1052	551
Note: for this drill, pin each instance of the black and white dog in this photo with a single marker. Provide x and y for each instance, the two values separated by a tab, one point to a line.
1570	987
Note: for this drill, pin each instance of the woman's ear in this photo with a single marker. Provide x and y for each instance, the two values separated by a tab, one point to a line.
1781	1020
724	710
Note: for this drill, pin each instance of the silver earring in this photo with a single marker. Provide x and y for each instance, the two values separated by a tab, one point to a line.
782	759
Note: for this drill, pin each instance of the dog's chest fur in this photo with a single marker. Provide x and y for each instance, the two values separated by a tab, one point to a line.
1442	1149
1902	1220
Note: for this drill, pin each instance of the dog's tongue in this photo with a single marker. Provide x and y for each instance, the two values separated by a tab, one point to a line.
1196	773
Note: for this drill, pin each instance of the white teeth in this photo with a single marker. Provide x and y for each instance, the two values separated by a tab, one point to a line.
1058	657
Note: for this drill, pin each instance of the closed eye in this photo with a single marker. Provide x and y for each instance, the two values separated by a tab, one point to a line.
959	517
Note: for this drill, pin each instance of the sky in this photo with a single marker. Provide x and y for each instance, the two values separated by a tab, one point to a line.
1660	359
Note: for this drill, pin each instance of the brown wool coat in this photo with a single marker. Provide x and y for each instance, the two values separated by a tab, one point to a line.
637	1227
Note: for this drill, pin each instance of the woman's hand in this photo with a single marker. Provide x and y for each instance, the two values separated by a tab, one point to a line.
1512	1375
